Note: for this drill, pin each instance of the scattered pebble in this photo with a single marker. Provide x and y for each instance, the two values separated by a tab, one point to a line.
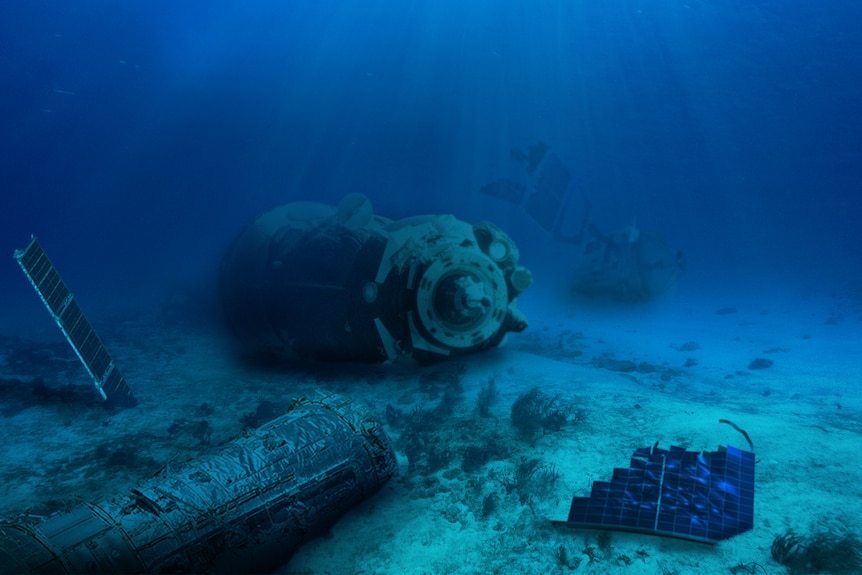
760	363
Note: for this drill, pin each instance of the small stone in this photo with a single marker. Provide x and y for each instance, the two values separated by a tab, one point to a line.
760	363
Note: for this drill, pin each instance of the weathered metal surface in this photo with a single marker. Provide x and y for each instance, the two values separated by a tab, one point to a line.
243	508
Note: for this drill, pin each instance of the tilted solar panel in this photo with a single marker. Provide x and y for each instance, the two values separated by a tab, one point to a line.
78	331
546	203
699	496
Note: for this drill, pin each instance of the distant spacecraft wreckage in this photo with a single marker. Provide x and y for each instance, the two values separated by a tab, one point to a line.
630	265
308	280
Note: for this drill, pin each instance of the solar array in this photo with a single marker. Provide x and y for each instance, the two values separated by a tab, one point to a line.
543	186
546	203
78	331
699	496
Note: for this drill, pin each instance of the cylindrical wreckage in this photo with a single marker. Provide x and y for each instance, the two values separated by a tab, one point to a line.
308	280
243	508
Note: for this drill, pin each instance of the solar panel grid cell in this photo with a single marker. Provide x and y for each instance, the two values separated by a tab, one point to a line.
114	382
39	266
72	318
100	362
28	255
54	290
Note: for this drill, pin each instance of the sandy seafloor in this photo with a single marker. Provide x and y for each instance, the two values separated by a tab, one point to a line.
804	415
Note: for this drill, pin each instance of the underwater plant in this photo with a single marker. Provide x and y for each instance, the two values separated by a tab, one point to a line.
822	552
487	397
752	568
535	414
788	549
531	480
564	560
421	437
453	394
519	480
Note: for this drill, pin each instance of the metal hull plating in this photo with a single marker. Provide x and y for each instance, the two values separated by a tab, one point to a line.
243	508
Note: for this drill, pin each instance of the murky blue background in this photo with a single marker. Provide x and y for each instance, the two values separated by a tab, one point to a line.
139	137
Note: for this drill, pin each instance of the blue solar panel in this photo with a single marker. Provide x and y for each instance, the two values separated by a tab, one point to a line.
700	496
78	331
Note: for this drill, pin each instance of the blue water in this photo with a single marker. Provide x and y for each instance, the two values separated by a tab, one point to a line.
140	137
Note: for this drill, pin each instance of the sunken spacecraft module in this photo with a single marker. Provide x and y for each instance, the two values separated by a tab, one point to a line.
240	509
309	280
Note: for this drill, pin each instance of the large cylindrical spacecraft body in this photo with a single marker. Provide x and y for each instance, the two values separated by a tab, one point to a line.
310	280
240	509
